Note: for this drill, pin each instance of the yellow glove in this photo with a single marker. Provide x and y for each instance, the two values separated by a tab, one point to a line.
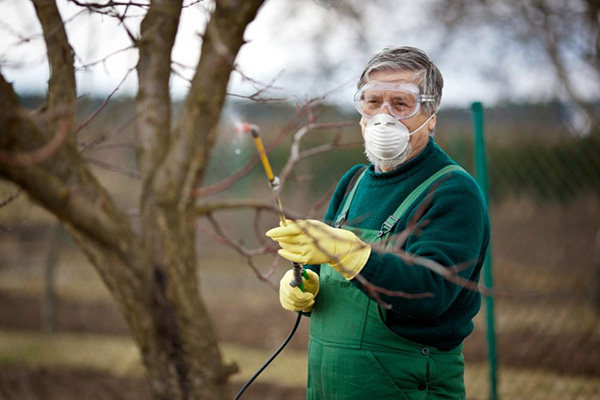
313	242
292	298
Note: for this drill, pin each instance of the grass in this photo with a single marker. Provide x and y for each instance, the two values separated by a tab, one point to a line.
118	356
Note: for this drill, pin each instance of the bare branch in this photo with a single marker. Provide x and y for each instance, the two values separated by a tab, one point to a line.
263	277
41	154
11	198
112	146
61	87
95	144
114	168
225	239
296	156
219	236
249	166
89	119
109	4
195	132
105	58
321	201
207	208
74	208
261	88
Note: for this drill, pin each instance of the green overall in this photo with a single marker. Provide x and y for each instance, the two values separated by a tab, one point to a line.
354	355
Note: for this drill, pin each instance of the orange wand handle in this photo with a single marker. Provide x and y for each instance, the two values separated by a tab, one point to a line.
263	156
246	127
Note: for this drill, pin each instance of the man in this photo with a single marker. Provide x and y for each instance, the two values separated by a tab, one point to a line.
384	324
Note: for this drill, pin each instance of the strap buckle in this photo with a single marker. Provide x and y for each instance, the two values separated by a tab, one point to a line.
340	219
387	226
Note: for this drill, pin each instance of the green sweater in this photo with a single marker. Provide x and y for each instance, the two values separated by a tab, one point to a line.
454	231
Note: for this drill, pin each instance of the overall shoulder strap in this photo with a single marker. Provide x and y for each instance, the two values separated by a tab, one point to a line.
352	185
393	219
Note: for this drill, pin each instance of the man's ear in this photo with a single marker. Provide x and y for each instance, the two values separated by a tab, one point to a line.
431	123
363	126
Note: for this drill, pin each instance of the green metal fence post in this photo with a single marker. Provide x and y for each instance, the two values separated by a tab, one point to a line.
482	179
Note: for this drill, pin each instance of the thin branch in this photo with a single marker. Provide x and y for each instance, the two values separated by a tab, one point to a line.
296	156
261	88
41	154
104	59
98	110
114	168
224	238
321	201
263	277
249	166
219	236
85	147
192	3
207	208
11	198
109	4
113	146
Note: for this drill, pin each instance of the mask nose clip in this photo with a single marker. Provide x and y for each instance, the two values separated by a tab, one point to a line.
388	123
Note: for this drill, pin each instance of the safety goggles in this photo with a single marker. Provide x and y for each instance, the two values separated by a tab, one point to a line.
403	100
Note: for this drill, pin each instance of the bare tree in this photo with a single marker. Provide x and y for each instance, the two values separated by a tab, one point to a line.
563	34
151	273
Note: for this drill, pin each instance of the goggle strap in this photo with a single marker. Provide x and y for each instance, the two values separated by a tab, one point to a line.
427	97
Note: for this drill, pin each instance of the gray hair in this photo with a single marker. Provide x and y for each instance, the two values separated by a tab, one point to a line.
427	76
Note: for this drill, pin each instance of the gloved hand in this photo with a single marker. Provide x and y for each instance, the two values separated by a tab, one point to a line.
292	298
313	242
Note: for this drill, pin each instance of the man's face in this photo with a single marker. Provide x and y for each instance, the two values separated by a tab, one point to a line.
420	138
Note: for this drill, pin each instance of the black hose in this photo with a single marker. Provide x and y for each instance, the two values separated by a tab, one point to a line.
266	364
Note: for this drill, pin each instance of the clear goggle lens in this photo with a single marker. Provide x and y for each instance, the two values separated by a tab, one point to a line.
402	100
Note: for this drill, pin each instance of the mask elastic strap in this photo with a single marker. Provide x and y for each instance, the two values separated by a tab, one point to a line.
422	125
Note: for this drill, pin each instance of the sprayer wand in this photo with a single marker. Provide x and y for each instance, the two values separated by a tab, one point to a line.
299	271
274	184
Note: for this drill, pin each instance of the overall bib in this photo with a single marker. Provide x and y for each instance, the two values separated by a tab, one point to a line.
353	355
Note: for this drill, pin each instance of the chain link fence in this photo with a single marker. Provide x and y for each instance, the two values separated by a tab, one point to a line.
544	182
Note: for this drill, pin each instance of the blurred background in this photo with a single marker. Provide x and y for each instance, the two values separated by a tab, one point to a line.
534	65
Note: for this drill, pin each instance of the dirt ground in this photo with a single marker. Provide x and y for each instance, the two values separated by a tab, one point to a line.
23	382
31	383
547	314
520	348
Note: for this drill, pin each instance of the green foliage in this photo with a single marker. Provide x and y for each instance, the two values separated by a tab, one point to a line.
556	170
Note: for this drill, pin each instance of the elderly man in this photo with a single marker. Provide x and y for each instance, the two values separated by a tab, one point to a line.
384	323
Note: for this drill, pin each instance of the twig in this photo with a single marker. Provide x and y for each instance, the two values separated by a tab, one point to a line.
296	156
207	208
321	201
103	60
85	147
112	146
249	166
109	4
262	277
219	236
11	198
225	239
114	168
98	110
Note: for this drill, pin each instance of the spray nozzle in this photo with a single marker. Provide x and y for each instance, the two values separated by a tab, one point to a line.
246	127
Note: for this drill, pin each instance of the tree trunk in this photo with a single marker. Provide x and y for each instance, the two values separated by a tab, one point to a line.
152	275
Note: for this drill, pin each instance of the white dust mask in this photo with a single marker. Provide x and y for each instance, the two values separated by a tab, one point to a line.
386	137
